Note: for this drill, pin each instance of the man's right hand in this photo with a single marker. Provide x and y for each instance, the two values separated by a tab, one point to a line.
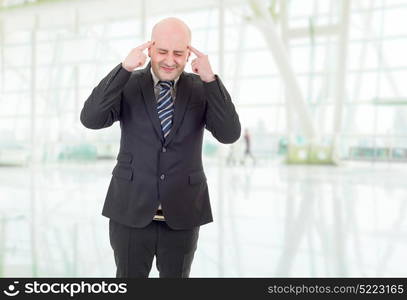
136	57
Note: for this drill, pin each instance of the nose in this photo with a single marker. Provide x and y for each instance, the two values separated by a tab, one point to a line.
169	60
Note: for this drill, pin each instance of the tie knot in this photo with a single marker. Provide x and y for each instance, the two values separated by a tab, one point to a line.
166	84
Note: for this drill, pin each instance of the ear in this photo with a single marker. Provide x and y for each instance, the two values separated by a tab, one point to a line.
149	48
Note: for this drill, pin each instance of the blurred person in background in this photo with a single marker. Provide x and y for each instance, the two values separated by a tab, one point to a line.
248	150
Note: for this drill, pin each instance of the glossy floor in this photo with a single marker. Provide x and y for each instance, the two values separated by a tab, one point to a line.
270	220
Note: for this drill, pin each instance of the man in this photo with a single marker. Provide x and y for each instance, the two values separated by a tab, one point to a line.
158	196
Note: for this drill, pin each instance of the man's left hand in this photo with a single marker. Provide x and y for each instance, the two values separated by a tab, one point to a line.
201	66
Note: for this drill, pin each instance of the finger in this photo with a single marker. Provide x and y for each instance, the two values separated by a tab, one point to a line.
144	46
196	52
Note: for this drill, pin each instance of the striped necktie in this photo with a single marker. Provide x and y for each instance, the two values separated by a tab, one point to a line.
165	106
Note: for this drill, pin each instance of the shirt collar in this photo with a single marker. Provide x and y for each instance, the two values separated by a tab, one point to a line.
156	79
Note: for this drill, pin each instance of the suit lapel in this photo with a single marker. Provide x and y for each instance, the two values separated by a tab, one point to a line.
181	102
149	100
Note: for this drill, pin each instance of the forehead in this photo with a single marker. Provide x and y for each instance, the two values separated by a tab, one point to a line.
171	40
171	44
176	50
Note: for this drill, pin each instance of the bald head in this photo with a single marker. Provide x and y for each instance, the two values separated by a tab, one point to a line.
169	50
171	27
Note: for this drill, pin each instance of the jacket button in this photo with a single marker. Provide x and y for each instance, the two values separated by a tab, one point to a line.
162	176
164	149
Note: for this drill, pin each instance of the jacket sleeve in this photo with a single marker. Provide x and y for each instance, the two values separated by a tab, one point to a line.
102	108
221	118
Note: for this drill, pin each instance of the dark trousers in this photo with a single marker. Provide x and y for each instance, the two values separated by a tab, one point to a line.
134	249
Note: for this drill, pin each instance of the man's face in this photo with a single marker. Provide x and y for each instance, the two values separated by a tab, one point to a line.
169	55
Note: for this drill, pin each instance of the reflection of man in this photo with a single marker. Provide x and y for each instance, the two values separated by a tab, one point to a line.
158	196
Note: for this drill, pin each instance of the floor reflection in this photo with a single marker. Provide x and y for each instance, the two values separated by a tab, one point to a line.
270	220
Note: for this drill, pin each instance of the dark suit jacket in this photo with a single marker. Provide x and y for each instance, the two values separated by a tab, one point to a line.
150	170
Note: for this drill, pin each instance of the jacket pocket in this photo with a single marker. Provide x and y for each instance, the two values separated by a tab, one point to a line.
123	172
124	157
196	177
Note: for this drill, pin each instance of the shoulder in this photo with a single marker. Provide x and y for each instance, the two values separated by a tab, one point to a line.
137	77
137	73
193	76
194	80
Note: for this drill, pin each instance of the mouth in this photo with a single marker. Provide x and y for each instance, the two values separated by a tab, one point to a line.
167	70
